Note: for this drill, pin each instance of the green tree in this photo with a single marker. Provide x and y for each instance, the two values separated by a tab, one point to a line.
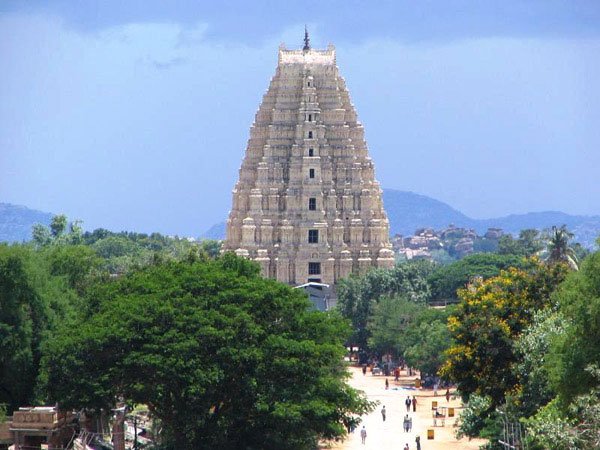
446	280
558	249
532	346
358	294
575	349
528	244
486	322
58	225
427	339
578	426
21	328
41	235
76	262
222	357
412	330
390	318
211	247
32	302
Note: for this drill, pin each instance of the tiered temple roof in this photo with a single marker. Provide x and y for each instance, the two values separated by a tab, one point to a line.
307	206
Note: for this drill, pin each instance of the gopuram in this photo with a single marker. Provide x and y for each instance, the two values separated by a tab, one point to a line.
307	206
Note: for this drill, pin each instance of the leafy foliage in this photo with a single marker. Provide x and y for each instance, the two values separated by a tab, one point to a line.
528	244
446	280
388	323
427	339
474	417
358	295
576	348
532	346
558	249
412	330
32	302
224	358
490	316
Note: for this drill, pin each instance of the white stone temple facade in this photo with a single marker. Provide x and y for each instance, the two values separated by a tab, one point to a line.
307	206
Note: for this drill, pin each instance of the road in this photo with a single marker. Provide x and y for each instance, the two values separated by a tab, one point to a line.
390	434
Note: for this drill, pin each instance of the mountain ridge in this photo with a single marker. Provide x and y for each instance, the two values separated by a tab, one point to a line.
408	211
16	222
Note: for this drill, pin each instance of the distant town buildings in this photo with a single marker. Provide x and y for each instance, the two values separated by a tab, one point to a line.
456	242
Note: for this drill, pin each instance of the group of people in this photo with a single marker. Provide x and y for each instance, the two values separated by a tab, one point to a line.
410	404
407	423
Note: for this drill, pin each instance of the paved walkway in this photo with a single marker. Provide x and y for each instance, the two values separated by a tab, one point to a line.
390	434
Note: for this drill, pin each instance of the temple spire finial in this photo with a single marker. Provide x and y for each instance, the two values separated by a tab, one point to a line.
306	40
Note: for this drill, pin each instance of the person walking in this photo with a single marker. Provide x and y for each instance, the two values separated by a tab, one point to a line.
408	402
383	413
409	424
418	442
364	369
406	447
414	403
396	374
363	435
405	424
448	395
387	384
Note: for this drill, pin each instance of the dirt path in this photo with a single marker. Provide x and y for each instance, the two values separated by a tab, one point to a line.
390	434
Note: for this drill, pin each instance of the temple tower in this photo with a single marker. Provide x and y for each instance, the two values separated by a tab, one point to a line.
307	206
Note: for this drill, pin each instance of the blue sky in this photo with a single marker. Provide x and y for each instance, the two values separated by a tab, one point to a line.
135	115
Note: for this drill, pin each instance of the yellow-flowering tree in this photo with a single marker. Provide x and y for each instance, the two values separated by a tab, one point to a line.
488	319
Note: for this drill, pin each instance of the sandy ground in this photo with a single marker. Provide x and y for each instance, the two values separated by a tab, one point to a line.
390	434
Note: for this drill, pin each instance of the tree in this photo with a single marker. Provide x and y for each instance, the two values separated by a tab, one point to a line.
21	328
534	390
446	280
558	249
577	427
56	232
489	317
58	225
222	357
528	244
412	330
41	235
427	339
211	247
76	262
389	320
575	349
358	294
32	302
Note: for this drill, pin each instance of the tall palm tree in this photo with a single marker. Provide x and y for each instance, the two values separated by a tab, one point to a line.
558	249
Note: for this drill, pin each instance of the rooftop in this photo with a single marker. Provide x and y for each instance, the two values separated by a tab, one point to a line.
310	56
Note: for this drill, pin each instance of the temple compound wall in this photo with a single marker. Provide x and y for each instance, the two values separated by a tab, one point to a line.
307	206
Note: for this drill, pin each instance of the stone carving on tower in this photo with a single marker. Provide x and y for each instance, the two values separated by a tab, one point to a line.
307	206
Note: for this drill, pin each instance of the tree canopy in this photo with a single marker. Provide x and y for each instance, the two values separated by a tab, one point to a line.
414	331
579	345
222	357
33	301
446	280
357	295
491	315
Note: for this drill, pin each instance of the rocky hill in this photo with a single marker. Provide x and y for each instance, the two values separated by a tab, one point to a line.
16	222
